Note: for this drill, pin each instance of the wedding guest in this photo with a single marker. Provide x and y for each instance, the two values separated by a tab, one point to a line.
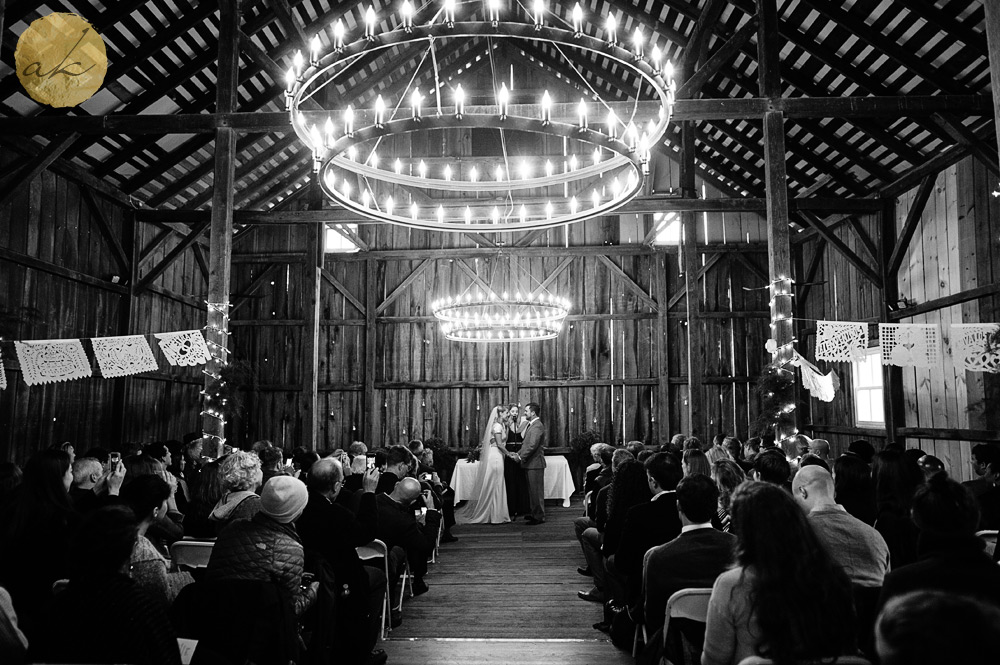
770	466
857	547
357	449
590	529
854	487
735	449
147	498
353	482
862	449
813	460
786	599
35	531
950	557
933	627
266	547
70	450
178	469
750	450
694	559
694	461
986	467
272	463
444	495
102	616
692	443
240	475
896	478
197	521
598	474
399	464
727	475
821	449
87	473
628	489
399	528
635	447
718	452
306	460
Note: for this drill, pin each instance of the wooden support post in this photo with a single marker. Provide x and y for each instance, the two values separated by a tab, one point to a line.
312	282
993	42
221	229
662	406
122	386
689	251
892	376
372	410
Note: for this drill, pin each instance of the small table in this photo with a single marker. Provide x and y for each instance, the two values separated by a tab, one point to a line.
558	480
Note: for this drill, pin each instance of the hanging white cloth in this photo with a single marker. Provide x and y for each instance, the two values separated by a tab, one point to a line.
821	386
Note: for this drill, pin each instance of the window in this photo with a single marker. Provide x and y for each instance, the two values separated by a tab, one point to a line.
338	242
668	228
867	376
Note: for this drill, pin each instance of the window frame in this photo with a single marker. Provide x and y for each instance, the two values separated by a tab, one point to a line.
872	354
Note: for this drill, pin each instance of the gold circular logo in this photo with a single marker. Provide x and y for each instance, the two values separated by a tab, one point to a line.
61	60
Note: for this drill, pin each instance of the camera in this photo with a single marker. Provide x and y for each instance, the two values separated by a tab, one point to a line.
113	459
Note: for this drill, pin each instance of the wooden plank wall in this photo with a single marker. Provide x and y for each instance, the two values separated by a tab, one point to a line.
49	220
955	248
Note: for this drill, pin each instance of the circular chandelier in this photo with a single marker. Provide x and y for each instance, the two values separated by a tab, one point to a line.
492	317
598	166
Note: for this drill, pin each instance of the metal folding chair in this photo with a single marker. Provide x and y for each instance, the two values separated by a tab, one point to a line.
374	550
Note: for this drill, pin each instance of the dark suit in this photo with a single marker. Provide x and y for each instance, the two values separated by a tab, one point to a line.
386	483
532	456
691	560
397	527
646	525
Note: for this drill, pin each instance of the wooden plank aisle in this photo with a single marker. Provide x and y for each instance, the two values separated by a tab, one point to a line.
505	593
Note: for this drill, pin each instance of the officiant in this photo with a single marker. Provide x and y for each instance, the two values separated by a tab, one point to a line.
513	474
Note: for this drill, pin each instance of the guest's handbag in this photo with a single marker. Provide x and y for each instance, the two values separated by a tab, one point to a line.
622	625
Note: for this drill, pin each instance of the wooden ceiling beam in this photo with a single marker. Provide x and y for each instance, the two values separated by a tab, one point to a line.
832	238
40	162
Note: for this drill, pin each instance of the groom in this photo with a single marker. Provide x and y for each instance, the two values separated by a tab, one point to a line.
532	458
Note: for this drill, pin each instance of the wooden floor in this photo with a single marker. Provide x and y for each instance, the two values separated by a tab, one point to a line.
505	593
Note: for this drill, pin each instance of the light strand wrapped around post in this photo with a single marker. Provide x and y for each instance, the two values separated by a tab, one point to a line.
217	328
782	349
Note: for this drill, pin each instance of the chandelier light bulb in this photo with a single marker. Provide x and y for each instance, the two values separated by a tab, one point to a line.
397	166
633	136
315	46
316	139
447	172
572	162
366	198
379	111
331	179
414	211
338	35
459	101
422	169
581	111
539	13
389	205
612	123
370	22
415	102
596	198
616	187
328	131
597	156
548	167
468	215
373	159
297	63
573	205
349	121
346	189
611	27
577	19
352	153
523	215
525	170
548	210
494	12
499	173
503	97
449	13
655	56
406	10
546	107
289	87
495	215
638	39
668	71
473	174
440	214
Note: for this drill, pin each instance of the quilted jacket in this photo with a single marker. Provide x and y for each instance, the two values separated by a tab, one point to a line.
264	550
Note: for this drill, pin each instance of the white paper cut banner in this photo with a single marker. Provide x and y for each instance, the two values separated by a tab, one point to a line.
968	346
186	348
910	344
123	356
841	341
52	360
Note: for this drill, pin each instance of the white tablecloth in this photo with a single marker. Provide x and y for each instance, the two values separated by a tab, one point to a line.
558	479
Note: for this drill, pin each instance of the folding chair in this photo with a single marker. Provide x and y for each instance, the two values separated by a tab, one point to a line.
374	550
406	581
437	542
687	604
191	553
990	537
841	660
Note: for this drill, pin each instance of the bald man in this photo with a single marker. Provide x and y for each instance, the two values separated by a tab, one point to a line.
400	525
858	548
821	449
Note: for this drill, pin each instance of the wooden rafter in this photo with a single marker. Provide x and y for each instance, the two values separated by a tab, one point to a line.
344	291
628	282
244	297
172	255
422	267
36	165
681	292
810	277
912	222
863	267
111	239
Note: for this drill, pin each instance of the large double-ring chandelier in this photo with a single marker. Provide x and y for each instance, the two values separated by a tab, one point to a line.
524	159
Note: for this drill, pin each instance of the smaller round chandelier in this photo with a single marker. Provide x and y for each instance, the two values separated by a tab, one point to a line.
553	162
491	317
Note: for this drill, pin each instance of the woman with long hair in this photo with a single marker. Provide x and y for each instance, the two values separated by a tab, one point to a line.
34	535
629	488
489	505
786	599
896	477
203	500
695	461
854	489
727	475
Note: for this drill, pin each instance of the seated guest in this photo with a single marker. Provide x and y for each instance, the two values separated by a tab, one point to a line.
931	465
399	528
306	459
166	529
444	496
896	477
89	477
950	556
333	532
102	616
399	464
933	627
750	450
813	460
595	521
854	488
787	599
272	463
239	475
147	497
628	489
821	449
986	467
770	466
197	521
646	525
694	461
635	447
13	643
692	443
266	548
795	447
858	548
989	500
35	529
357	449
598	474
354	481
693	559
727	475
864	450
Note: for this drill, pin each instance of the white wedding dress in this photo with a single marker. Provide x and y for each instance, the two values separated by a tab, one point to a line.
489	505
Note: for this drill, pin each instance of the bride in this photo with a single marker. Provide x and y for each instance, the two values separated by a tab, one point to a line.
489	505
